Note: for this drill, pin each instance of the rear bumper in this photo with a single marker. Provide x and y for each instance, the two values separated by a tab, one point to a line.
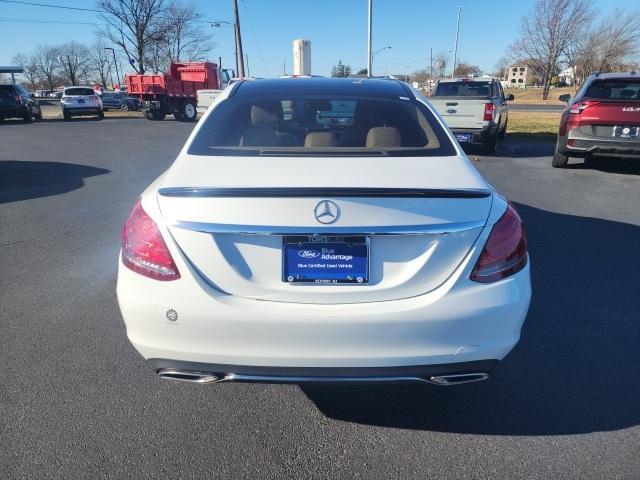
13	111
82	110
444	374
478	135
461	321
577	144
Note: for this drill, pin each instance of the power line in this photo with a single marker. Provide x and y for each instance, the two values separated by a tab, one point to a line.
49	5
92	10
26	20
255	39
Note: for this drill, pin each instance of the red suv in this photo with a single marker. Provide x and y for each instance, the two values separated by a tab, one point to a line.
603	119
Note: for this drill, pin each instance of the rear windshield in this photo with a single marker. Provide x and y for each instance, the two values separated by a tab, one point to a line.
79	91
310	125
10	89
464	89
624	90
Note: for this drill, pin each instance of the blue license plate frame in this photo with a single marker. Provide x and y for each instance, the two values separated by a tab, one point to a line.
325	260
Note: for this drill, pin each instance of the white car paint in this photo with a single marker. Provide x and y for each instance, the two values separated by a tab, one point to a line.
231	307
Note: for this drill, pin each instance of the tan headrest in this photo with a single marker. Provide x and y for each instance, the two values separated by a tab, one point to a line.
384	137
262	116
320	139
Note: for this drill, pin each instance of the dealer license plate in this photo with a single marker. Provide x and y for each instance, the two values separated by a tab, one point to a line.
322	259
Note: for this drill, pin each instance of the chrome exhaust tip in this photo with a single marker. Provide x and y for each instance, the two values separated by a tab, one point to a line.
188	376
459	378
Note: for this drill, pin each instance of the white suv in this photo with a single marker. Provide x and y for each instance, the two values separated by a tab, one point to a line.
80	101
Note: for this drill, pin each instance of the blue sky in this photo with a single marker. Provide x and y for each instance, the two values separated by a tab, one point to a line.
337	30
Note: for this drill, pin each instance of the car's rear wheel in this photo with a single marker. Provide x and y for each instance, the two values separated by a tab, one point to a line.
66	115
503	132
559	160
124	107
489	146
28	116
100	115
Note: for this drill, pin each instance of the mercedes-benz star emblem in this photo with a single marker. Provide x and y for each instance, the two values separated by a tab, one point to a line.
326	212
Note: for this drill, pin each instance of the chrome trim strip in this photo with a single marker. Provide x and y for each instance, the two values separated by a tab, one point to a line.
206	192
225	228
188	376
458	379
191	376
235	377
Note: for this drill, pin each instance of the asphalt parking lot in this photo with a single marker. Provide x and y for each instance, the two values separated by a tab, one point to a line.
76	401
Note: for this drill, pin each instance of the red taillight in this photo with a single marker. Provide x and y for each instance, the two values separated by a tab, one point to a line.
489	112
579	107
144	250
572	119
505	252
18	99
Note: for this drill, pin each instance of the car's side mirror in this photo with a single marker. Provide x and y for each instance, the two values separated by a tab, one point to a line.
509	98
564	98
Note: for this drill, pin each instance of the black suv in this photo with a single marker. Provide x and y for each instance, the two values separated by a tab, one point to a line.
17	102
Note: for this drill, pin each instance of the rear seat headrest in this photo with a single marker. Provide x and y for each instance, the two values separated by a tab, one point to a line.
384	137
262	115
320	139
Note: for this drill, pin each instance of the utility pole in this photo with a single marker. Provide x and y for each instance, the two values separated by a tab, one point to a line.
115	64
239	54
369	53
247	58
455	50
110	73
431	64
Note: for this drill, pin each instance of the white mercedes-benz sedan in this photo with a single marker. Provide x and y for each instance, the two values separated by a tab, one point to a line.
323	230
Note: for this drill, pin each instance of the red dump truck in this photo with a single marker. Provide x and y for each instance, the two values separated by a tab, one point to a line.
175	91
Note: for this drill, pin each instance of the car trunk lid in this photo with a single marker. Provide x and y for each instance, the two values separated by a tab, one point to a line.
231	219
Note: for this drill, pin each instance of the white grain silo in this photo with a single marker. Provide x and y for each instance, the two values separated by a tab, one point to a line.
302	57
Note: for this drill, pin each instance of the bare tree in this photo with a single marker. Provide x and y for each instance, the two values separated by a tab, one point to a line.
501	66
420	76
46	62
185	39
74	59
441	62
546	32
463	69
135	26
99	61
30	68
608	46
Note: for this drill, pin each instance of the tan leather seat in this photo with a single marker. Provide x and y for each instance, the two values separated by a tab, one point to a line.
320	139
382	137
262	132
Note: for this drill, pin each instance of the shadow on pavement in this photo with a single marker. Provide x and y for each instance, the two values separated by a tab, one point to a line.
624	166
25	180
575	369
517	146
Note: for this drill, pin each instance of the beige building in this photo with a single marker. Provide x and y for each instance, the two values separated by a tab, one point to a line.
518	76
